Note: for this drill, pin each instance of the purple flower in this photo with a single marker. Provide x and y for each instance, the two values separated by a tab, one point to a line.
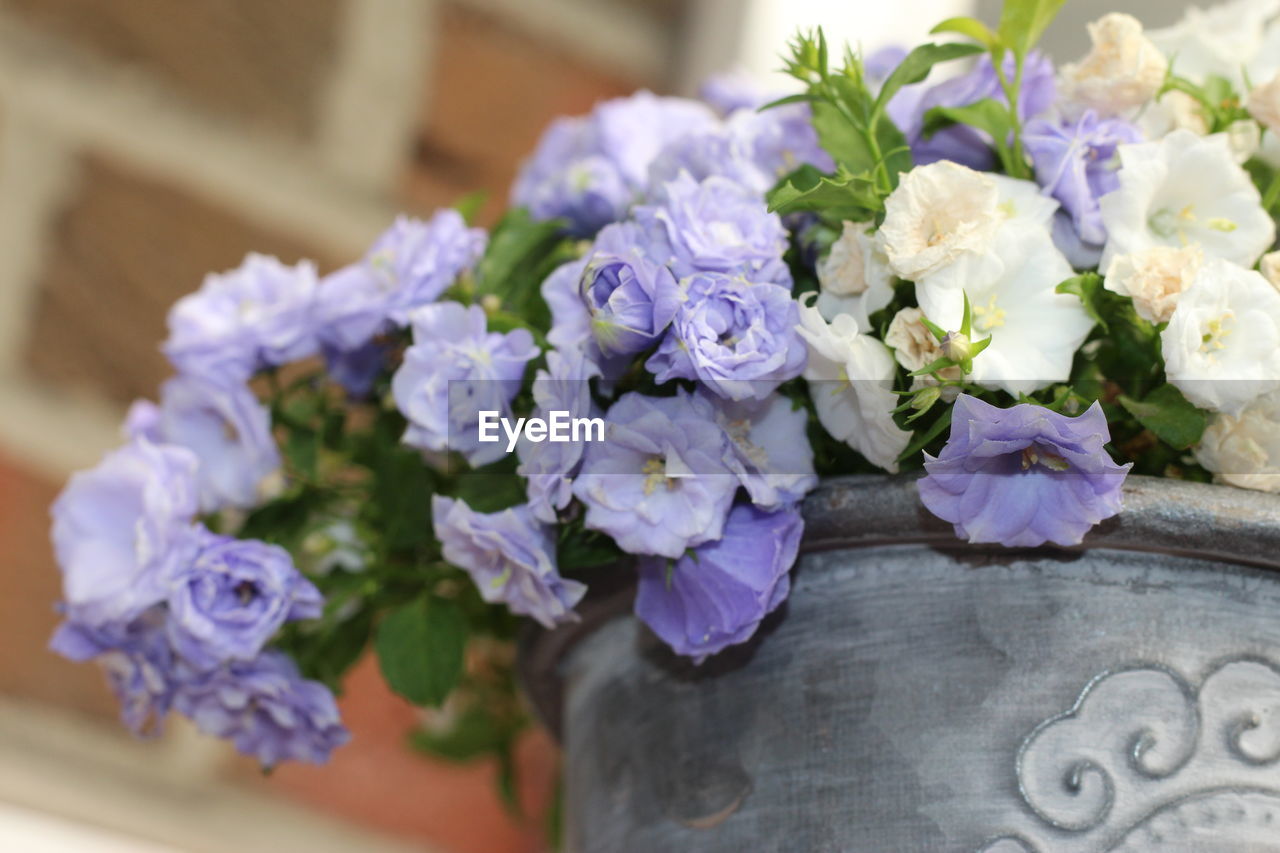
266	709
455	370
409	265
510	557
571	319
753	149
1023	476
730	91
630	297
737	338
232	597
717	596
882	62
716	225
225	426
962	143
768	449
658	483
1076	163
355	370
119	528
137	661
261	314
589	170
549	466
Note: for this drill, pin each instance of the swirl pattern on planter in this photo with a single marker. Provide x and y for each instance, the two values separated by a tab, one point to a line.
1108	774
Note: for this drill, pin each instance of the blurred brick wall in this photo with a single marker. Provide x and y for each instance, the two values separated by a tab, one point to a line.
146	142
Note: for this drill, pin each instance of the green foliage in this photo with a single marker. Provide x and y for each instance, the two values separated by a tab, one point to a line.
842	197
1168	414
1023	22
420	649
521	253
1088	288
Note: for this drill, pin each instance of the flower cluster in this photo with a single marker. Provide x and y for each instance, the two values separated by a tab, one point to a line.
1020	283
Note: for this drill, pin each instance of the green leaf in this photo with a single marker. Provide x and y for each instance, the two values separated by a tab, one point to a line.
987	115
1022	22
1088	287
922	441
420	649
1168	414
916	66
475	733
471	204
971	27
844	196
585	549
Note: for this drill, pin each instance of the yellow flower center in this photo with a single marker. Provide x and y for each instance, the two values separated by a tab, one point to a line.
1216	331
1039	456
989	316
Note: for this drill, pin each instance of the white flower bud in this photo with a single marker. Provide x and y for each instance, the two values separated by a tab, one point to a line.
1270	266
1154	278
1122	72
1264	104
1245	451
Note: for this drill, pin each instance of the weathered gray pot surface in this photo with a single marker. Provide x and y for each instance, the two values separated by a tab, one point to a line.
916	694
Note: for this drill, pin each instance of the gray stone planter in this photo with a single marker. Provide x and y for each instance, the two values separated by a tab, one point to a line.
917	694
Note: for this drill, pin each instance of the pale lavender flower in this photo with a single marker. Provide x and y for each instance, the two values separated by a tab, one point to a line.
355	370
1076	163
631	297
137	661
226	427
729	91
658	483
409	265
1023	476
120	528
266	709
261	314
961	143
455	370
510	557
739	339
589	170
716	596
571	319
232	597
716	225
549	466
768	449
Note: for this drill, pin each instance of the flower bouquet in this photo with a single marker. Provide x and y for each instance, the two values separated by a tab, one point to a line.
1021	282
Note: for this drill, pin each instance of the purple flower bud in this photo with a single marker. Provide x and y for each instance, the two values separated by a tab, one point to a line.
658	483
259	315
232	597
266	709
630	297
510	557
1023	476
737	338
717	596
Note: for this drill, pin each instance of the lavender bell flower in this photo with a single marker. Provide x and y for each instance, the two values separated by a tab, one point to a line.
409	265
228	429
232	597
961	143
739	339
768	449
571	320
266	709
261	314
510	557
717	596
716	225
730	91
549	466
589	170
658	483
455	370
1023	476
120	528
631	297
356	370
1076	163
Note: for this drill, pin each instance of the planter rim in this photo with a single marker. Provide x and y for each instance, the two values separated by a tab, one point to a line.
1163	516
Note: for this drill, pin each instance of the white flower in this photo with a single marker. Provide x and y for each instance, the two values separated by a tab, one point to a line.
1181	190
915	348
1174	111
1244	451
1264	104
938	213
1123	71
1270	267
1022	201
850	377
1218	41
1222	345
1154	278
1244	138
1034	330
856	266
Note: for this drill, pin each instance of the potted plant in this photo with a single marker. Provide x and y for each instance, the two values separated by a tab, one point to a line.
854	450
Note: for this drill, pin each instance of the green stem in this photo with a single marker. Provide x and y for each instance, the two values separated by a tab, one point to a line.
1018	160
1273	192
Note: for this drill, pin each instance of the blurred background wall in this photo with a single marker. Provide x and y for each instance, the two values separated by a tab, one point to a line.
146	142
